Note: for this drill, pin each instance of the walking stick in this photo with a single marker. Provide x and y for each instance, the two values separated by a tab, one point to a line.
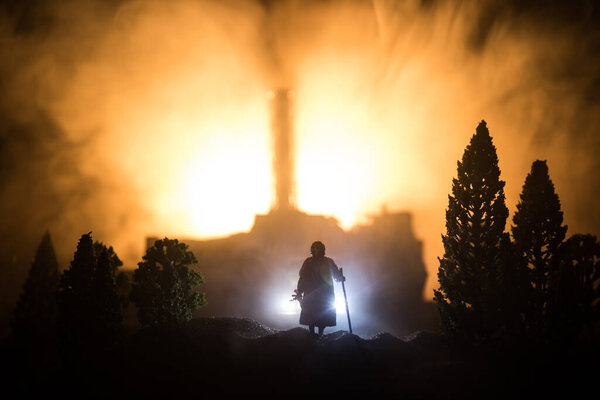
346	300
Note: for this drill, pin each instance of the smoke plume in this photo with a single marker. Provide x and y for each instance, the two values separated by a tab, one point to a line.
130	118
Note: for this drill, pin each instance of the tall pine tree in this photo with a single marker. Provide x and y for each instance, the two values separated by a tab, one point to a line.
538	234
471	299
109	293
34	319
90	301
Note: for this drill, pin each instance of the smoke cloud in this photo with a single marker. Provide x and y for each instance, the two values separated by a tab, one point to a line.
130	118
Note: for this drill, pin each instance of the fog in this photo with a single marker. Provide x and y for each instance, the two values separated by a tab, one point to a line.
135	118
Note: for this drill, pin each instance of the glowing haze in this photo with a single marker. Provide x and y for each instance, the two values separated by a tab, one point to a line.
167	103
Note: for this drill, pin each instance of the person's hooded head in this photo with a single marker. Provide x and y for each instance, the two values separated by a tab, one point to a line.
317	249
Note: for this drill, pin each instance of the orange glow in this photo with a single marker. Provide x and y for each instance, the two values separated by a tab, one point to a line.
201	173
170	98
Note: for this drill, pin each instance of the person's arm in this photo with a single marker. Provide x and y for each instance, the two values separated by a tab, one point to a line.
337	273
300	287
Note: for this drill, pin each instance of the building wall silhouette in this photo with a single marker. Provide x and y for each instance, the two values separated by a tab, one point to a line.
253	274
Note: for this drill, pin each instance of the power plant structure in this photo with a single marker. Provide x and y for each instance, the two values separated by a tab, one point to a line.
253	274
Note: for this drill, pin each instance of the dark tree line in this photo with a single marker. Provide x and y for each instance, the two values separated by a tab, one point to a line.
534	285
79	312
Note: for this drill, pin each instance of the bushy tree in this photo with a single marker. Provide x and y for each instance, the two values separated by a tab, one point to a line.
91	300
164	287
34	319
538	233
475	269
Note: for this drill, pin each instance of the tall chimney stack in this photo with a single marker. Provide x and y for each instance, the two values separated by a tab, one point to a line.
281	101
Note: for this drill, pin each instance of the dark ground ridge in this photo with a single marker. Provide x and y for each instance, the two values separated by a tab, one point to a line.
238	356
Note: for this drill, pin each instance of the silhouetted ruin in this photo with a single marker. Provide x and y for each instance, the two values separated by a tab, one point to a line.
253	274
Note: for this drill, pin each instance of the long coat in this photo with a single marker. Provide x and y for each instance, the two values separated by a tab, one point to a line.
316	286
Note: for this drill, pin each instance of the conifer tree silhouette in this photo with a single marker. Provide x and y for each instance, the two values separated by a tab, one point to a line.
538	234
90	301
473	271
34	318
576	291
164	288
109	292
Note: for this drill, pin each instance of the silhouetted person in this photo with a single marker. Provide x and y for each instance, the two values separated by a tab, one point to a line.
315	289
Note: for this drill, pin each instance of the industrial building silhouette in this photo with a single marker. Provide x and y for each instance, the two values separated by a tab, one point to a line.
253	274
